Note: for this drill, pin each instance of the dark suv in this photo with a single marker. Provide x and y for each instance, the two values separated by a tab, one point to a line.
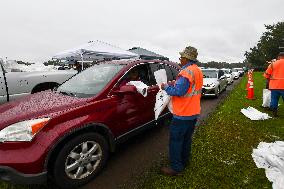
67	134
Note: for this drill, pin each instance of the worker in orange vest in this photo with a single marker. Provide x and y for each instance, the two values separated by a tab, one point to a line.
275	77
186	94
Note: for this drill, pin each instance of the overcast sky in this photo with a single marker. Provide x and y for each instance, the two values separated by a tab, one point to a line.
221	30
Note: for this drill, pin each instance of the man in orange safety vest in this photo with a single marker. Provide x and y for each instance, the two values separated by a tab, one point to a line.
186	94
275	77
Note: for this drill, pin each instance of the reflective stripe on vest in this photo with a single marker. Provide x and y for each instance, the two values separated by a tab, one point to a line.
193	91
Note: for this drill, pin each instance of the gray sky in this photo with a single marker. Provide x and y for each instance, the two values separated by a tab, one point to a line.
221	30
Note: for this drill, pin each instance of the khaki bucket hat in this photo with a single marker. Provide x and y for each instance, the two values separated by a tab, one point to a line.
190	53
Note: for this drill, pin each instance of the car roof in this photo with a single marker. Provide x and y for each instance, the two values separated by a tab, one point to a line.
137	61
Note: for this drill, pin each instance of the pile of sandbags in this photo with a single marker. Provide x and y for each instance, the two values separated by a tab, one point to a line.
254	114
270	156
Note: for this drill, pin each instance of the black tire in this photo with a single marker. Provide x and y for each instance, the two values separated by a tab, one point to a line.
59	175
217	92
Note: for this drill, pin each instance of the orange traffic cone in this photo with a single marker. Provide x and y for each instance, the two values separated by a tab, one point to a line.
250	94
249	79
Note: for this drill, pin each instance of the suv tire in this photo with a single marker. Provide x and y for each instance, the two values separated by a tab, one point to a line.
80	160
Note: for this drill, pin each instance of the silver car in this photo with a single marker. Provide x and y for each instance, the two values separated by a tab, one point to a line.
229	75
214	82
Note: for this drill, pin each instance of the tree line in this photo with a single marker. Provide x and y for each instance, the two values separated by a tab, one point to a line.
267	48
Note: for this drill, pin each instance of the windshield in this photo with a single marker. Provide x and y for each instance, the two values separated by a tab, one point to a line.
209	73
234	70
91	81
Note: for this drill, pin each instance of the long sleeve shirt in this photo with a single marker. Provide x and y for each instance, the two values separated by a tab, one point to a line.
180	88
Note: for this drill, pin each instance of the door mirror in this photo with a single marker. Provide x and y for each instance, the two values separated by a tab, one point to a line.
126	90
222	77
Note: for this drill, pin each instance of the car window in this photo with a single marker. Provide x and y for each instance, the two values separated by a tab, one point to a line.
175	72
169	72
141	72
220	74
91	81
154	67
209	73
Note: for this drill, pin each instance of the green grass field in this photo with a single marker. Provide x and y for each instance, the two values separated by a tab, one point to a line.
222	147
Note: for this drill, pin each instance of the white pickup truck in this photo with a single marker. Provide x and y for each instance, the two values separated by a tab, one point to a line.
18	84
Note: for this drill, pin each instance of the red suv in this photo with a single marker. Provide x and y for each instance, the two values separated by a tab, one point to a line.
67	134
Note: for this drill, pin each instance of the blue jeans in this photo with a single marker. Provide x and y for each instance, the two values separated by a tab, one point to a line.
275	94
180	142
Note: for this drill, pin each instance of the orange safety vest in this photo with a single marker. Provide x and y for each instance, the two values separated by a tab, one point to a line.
189	104
275	74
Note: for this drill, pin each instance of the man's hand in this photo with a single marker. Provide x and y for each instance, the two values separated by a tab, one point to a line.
163	86
172	82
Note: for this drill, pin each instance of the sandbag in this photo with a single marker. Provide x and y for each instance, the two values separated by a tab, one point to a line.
270	156
141	87
266	98
162	98
254	114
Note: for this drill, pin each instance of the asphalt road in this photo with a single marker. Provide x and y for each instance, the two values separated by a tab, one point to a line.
139	153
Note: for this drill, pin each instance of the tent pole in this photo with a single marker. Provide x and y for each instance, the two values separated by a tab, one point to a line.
82	59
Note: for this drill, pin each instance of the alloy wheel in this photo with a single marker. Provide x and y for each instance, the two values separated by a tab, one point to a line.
83	160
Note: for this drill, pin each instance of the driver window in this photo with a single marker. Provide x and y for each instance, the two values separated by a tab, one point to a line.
221	73
137	73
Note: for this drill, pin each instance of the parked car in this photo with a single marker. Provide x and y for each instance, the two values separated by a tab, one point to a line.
214	82
14	85
241	71
236	73
67	134
229	75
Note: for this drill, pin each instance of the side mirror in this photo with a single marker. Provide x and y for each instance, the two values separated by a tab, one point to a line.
222	77
126	89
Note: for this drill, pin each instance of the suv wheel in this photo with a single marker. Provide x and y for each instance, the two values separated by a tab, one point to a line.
80	160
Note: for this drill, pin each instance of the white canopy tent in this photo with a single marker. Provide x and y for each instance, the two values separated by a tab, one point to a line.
94	50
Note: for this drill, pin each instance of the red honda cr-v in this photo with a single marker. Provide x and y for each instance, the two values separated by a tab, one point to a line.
67	134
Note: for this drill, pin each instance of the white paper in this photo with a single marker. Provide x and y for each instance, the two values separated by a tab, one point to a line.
254	114
266	98
161	76
141	87
270	156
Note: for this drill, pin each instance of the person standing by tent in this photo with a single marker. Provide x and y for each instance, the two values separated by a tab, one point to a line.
78	66
186	95
275	77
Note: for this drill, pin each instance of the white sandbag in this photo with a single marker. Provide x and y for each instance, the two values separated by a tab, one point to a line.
162	98
141	87
270	156
266	98
254	114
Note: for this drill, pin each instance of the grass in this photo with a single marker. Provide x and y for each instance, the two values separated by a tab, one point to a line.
222	147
